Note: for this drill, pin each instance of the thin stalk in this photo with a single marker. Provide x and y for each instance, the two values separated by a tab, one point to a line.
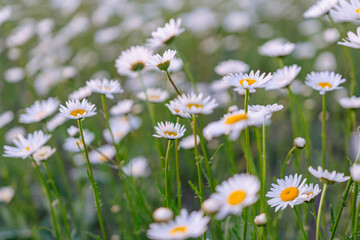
178	181
287	161
146	98
232	155
250	165
93	183
354	211
166	174
323	131
172	82
246	100
356	227
263	166
197	157
322	201
300	223
245	216
281	62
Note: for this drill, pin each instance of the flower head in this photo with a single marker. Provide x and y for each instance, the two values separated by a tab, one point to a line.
105	86
133	60
196	104
122	107
81	93
299	142
355	172
345	11
311	192
5	118
250	81
137	167
154	95
72	144
39	110
267	110
169	130
353	40
231	66
327	177
278	47
162	62
324	81
6	194
189	142
103	154
174	107
43	153
350	102
283	77
162	214
75	109
260	220
320	8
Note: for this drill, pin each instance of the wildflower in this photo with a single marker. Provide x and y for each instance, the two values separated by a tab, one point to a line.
327	177
283	77
6	194
250	81
5	118
154	95
260	220
211	206
324	81
350	102
189	142
162	214
43	153
355	172
267	110
105	86
119	131
56	121
231	66
169	130
122	107
14	133
299	142
162	62
311	192
195	103
72	144
137	167
81	93
345	11
320	8
39	110
102	154
278	47
174	107
75	109
353	40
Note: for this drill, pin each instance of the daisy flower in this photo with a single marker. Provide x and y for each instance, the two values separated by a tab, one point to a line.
55	122
236	193
39	110
24	147
219	86
5	118
267	110
14	133
6	194
350	102
353	40
250	81
72	144
324	81
311	192
288	192
75	109
169	130
184	226
81	93
137	167
232	123
195	103
118	131
122	107
283	77
164	35
327	177
355	172
320	8
189	142
231	66
278	47
154	95
174	107
162	214
162	62
133	60
105	86
43	153
346	11
102	154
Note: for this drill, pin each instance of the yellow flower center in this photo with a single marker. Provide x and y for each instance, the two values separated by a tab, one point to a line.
177	111
154	97
324	84
190	105
104	88
180	230
27	148
77	111
289	194
169	133
236	118
357	10
236	197
79	142
248	80
102	158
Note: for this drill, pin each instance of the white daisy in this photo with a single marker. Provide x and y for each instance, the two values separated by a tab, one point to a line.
324	81
119	131
56	121
195	103
189	142
14	133
6	194
105	86
278	47
122	107
219	86
102	154
162	214
43	153
137	167
39	110
355	172
320	8
353	40
133	122
176	65
162	62
72	131
346	11
184	226
288	192
311	192
154	95
232	123
236	193
231	66
24	147
81	93
267	110
169	130
72	144
75	109
174	108
350	102
133	60
250	81
5	118
164	35
283	77
327	177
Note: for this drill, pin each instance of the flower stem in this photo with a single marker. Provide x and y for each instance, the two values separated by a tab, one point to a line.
300	223
166	174
93	183
178	181
323	131
281	62
250	165
263	166
287	161
356	226
322	201
197	158
172	83
354	211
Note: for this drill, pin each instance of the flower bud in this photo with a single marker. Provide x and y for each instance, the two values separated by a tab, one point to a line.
355	172
210	206
162	214
260	220
299	142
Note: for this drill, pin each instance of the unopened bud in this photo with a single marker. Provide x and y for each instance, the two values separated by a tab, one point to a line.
162	214
260	220
299	142
210	206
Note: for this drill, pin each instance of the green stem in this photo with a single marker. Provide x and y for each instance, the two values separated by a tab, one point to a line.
178	181
281	62
197	157
93	183
166	174
322	201
323	131
246	100
245	216
299	222
250	165
356	226
354	216
263	166
232	155
172	83
287	161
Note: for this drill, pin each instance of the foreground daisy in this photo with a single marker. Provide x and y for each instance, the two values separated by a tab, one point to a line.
196	104
162	62
184	226
324	81
154	95
24	147
247	81
235	194
346	11
137	167
278	47
350	102
169	130
39	110
105	86
75	109
327	177
311	192
164	35
288	192
320	8
283	77
231	66
353	40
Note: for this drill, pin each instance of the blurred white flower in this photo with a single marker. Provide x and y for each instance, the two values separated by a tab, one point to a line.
189	142
278	47
325	61
39	110
133	60
353	40
346	11
105	86
6	117
231	66
137	167
320	8
6	194
352	102
14	75
102	154
14	133
154	95
43	153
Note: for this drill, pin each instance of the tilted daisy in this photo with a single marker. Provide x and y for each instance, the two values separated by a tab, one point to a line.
169	130
5	118
324	81
250	81
105	86
236	193
122	107
39	110
137	167
288	192
320	8
24	147
193	103
162	62
267	110
353	40
278	47
81	93
350	102
174	107
184	226
326	176
72	144
311	192
233	123
164	35
133	60
231	66
43	153
102	154
346	11
283	77
189	142
75	109
154	95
